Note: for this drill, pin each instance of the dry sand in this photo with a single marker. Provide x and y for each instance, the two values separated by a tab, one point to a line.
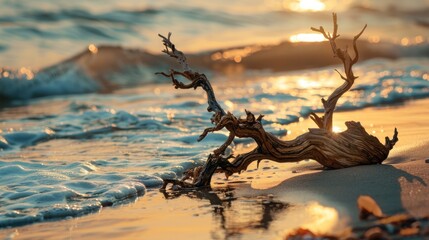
270	202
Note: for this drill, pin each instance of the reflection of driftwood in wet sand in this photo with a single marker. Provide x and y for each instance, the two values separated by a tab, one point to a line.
333	150
236	215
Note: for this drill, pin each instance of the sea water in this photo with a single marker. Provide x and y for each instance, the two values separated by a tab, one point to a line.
69	148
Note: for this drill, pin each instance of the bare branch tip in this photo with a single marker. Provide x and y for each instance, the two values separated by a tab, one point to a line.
360	33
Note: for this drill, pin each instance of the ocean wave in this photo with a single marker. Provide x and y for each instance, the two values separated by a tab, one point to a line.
390	89
53	191
287	98
61	79
80	14
107	68
49	190
82	124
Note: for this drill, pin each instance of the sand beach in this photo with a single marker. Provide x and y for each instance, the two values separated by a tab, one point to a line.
274	200
88	131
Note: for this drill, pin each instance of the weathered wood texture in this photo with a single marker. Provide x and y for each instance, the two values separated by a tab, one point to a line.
333	150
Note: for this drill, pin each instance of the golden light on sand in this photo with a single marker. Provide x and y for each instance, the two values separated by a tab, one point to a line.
307	37
92	48
312	216
306	5
323	219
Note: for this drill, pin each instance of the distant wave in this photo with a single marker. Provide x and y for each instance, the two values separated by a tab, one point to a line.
84	73
111	67
193	12
115	16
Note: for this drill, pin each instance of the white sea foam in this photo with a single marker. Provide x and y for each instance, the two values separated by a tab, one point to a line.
34	191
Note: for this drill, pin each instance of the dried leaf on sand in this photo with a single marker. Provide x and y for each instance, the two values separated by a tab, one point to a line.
368	207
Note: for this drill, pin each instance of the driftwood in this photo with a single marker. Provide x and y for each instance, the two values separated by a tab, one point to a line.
333	150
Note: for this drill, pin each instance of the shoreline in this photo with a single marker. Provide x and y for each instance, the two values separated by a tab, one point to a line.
277	198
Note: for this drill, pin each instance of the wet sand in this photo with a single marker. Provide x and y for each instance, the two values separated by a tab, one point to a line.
275	199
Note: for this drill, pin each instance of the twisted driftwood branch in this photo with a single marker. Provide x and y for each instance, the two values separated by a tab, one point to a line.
333	150
329	105
197	79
